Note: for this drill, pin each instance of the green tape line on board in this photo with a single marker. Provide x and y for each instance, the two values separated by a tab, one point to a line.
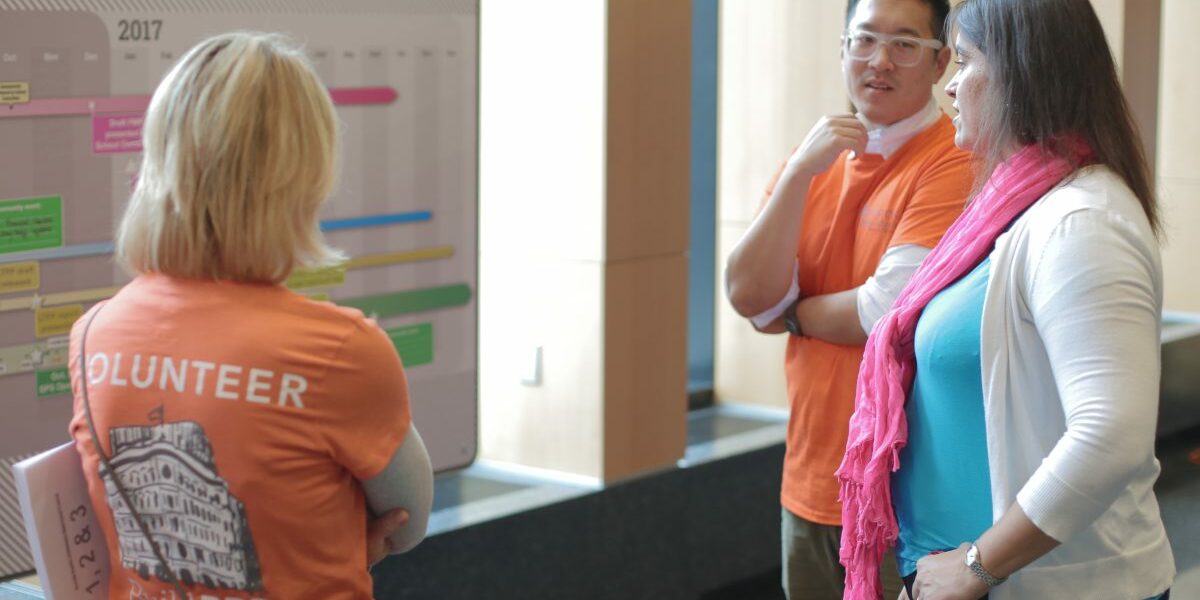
400	303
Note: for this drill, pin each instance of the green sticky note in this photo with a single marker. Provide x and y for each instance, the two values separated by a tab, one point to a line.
53	382
414	343
30	224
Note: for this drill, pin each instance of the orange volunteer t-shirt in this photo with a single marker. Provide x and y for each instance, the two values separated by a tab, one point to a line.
855	211
240	418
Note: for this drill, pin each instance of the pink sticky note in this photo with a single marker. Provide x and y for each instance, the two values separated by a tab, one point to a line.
115	133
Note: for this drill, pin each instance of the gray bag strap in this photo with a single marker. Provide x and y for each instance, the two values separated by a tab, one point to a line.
107	467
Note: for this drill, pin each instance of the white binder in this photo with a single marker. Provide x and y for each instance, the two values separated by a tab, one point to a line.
65	537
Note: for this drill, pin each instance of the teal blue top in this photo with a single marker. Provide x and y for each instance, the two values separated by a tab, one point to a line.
942	493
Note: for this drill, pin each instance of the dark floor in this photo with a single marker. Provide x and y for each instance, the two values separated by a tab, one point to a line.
763	587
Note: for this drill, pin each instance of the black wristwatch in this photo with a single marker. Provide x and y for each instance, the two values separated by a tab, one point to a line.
790	321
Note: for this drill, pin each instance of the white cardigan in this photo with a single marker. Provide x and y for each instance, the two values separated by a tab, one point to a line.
1070	350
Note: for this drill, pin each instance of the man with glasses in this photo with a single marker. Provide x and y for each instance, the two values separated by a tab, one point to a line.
844	224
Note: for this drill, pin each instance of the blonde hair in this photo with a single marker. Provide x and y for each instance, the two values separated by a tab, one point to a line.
239	152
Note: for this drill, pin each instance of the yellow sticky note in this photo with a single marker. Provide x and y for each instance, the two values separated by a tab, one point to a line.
14	92
18	277
57	320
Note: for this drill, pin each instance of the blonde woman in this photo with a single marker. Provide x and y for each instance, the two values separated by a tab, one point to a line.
232	431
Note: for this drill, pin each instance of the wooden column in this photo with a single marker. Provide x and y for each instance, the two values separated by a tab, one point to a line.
584	213
1177	155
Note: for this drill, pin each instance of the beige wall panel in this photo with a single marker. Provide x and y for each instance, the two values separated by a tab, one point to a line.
779	69
1180	202
542	140
541	137
1112	17
1179	121
749	364
645	365
584	143
554	304
649	127
1179	154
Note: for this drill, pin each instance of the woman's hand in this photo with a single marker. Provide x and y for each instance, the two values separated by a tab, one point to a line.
378	532
945	576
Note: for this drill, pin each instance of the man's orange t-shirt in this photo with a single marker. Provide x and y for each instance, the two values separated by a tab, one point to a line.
854	212
240	419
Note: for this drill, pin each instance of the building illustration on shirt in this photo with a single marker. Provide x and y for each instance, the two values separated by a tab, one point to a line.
170	476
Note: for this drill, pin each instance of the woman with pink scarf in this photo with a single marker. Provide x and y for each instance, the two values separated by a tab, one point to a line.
1003	435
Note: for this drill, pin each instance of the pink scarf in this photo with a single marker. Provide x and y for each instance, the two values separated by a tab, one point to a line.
878	429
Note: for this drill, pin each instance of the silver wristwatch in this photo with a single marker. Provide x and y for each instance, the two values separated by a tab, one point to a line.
976	567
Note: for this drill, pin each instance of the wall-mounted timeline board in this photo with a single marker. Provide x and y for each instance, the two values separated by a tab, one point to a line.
75	80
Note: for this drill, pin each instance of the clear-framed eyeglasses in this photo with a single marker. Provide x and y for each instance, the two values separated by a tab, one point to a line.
903	50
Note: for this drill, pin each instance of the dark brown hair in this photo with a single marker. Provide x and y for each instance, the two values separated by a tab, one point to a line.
1052	75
